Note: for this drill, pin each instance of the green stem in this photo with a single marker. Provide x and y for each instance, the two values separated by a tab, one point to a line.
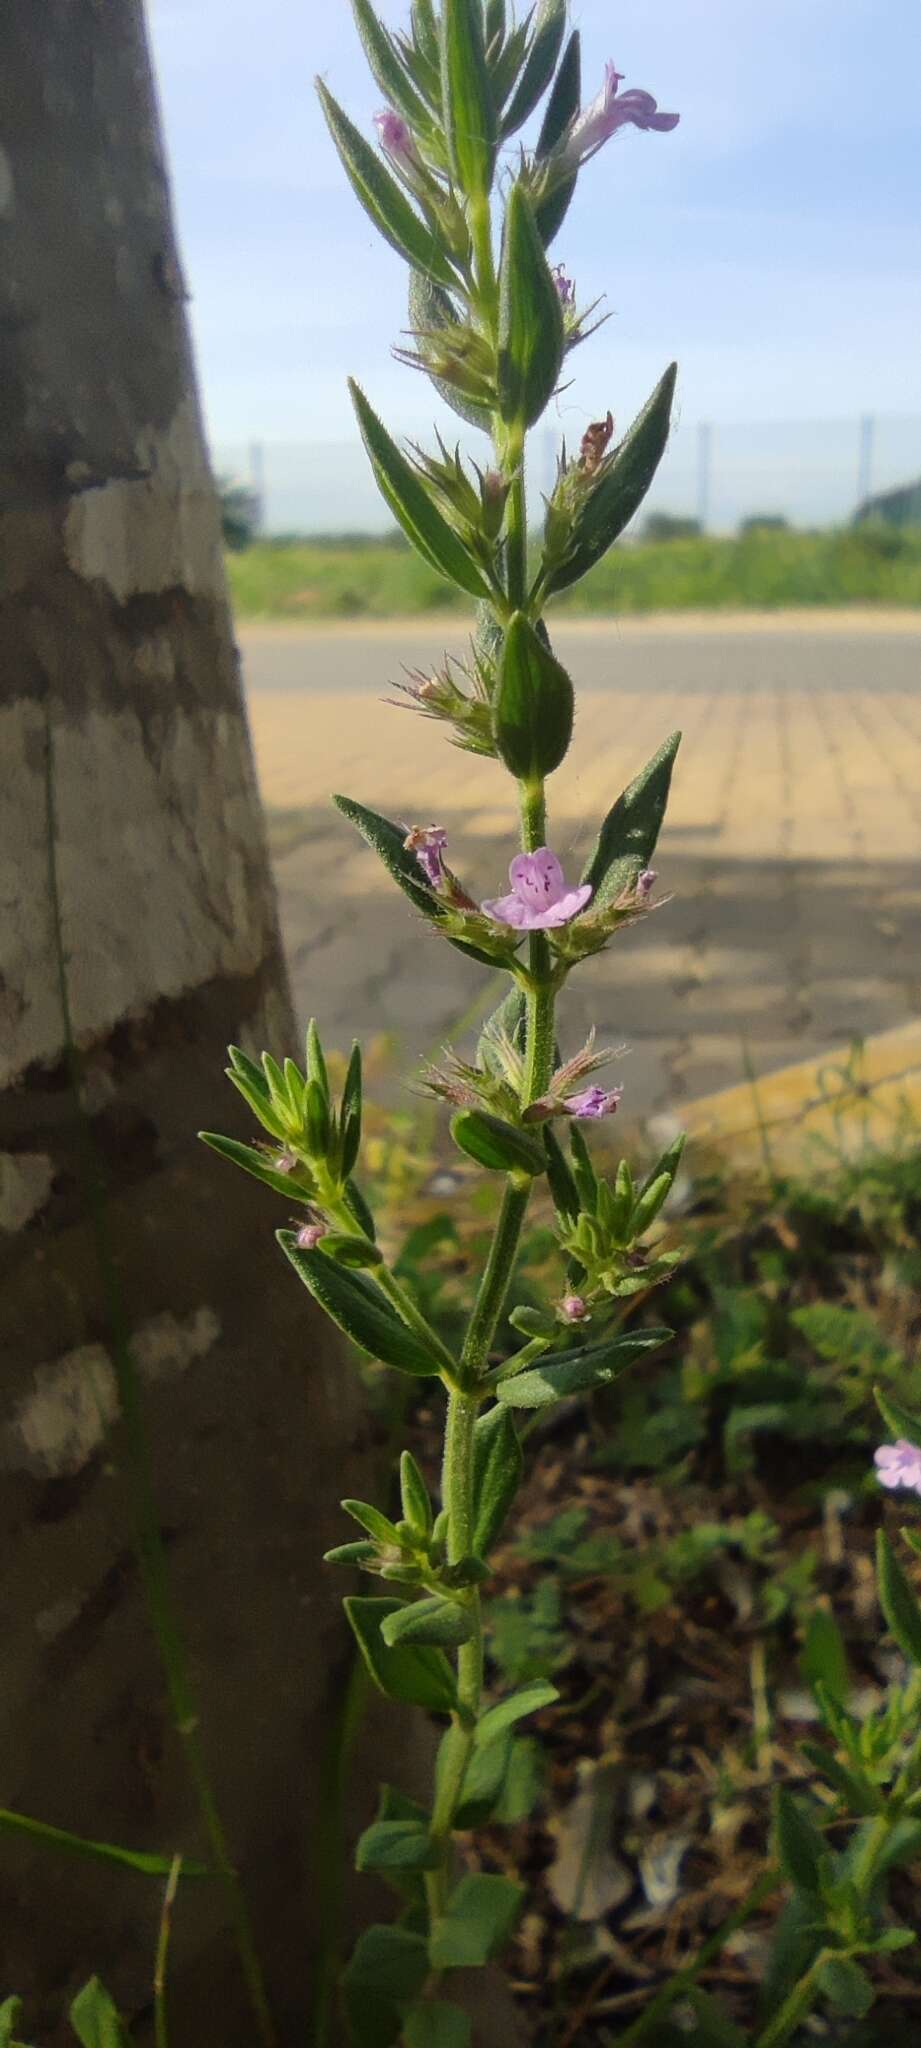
516	536
147	1537
480	218
684	1979
457	1495
796	2007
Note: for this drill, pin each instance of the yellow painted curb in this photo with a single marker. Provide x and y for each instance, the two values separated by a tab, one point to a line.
819	1112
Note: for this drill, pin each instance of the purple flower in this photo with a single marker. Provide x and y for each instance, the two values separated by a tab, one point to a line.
309	1235
565	285
285	1163
609	111
540	899
574	1308
645	883
899	1464
428	843
593	1101
397	140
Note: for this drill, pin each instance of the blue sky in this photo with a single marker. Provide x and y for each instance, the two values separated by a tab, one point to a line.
771	242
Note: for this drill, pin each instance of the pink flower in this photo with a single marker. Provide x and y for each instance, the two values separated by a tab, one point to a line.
645	883
540	899
574	1308
396	140
899	1464
565	285
285	1163
309	1235
609	111
428	843
593	1102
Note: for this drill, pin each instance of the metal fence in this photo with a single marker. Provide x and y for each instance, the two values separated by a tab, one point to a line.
808	472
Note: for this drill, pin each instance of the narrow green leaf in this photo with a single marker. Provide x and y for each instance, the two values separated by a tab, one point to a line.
255	1163
467	101
847	1986
386	1973
546	44
9	2015
430	307
260	1103
627	840
533	705
360	1309
824	1657
432	1620
622	484
94	2018
565	99
649	1203
413	1672
146	1864
397	1845
402	488
414	1495
382	198
438	2025
578	1372
388	70
800	1847
481	1915
387	842
562	1185
498	1464
368	1517
897	1600
498	1146
505	1713
316	1063
531	338
350	1553
351	1110
860	1797
901	1421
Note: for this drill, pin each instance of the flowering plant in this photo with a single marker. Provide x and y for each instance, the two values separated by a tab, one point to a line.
492	324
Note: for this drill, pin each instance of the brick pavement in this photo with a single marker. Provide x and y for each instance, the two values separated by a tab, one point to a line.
791	845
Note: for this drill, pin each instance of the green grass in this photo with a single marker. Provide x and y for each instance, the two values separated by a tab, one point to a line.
759	571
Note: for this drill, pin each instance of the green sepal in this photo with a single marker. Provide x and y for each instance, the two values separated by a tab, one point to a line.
531	341
414	1495
498	1466
546	43
846	1986
562	1185
436	2024
897	1600
430	307
397	1845
413	1672
468	109
481	1915
387	70
403	490
578	1372
498	1146
359	1309
627	840
900	1420
533	705
382	198
800	1847
387	1971
623	480
94	2017
253	1162
498	1719
429	1621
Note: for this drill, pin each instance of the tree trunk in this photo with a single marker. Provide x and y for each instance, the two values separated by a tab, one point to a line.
135	874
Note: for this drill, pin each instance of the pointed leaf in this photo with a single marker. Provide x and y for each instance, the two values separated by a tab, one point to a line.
255	1163
438	2025
627	840
562	1185
383	199
623	482
496	1720
368	1517
898	1601
94	2018
531	338
388	70
429	1621
414	1495
498	1146
498	1464
413	1672
467	101
402	488
60	1839
533	704
360	1310
799	1844
397	1845
481	1914
578	1372
565	99
546	44
387	1971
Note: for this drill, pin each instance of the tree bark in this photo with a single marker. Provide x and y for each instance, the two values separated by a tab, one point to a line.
133	859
